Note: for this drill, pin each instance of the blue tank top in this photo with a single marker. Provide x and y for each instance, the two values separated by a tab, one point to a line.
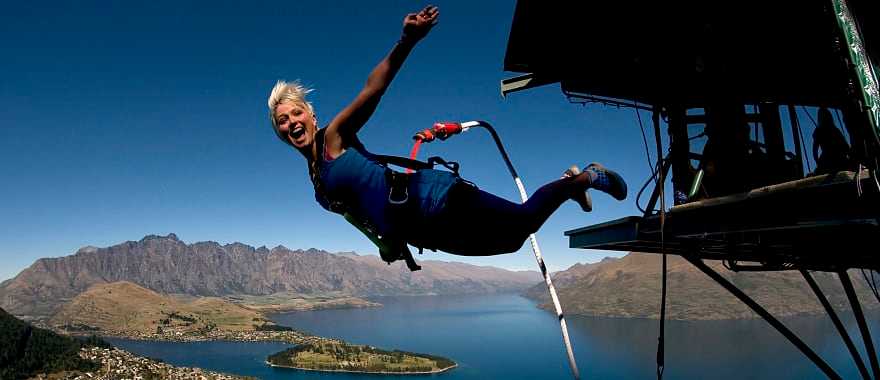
360	182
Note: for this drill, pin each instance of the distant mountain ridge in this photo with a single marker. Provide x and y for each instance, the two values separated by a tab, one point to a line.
630	287
165	264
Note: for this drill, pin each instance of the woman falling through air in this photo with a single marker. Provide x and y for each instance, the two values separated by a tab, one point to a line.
347	178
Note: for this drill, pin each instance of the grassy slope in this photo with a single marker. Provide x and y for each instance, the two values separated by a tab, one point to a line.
124	306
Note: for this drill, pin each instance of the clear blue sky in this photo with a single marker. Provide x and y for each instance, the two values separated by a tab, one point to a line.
122	119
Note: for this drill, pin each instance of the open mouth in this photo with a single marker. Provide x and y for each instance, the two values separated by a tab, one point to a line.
297	132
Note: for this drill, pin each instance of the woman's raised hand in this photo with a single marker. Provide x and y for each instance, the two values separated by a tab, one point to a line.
417	25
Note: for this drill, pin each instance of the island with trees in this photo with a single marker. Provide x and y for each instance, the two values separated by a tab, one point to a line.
335	356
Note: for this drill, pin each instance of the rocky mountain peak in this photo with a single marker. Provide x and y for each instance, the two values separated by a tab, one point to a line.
87	249
171	236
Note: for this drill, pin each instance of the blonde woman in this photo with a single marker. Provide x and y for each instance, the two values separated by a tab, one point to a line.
348	180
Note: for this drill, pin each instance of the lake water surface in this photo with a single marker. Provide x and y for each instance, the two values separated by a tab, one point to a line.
507	337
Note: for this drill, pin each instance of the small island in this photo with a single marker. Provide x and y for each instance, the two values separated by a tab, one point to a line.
337	356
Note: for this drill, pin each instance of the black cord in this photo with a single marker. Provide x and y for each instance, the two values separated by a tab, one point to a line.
644	187
876	293
661	361
806	111
803	143
645	140
661	366
872	284
654	170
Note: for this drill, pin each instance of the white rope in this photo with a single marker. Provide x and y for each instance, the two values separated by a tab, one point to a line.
537	250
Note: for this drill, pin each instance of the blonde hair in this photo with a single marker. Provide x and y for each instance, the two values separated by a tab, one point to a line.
284	92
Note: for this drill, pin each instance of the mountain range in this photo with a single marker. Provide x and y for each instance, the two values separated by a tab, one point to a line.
167	265
625	287
629	287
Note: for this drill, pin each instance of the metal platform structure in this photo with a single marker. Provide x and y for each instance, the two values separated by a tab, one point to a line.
815	223
727	73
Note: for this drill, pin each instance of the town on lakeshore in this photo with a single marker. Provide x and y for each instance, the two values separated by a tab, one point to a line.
310	353
120	364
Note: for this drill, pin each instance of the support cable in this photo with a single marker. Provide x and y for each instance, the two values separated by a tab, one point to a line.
837	324
860	319
872	283
661	360
806	155
645	140
642	190
763	313
654	170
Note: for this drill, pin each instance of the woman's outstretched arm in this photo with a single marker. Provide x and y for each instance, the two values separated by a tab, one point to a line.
349	121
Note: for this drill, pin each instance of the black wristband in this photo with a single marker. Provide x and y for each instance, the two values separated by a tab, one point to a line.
407	40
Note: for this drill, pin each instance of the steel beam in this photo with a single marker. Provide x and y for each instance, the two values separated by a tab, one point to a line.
797	342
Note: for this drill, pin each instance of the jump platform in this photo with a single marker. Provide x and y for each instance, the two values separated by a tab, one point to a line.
816	223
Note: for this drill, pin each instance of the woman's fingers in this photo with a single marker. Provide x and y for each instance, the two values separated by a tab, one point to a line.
429	15
418	24
429	12
411	19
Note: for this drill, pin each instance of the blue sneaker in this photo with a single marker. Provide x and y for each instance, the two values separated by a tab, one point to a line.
581	197
607	181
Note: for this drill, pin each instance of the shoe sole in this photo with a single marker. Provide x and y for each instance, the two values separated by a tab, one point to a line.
616	178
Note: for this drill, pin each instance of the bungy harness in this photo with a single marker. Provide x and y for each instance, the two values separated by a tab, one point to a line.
391	247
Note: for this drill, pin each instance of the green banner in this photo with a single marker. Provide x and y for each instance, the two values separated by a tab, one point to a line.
865	69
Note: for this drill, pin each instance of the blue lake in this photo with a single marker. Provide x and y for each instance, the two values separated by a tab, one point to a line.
506	336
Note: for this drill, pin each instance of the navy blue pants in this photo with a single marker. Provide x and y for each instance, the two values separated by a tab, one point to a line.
477	223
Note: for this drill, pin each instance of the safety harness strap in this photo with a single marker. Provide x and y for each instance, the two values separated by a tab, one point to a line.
390	251
402	162
391	248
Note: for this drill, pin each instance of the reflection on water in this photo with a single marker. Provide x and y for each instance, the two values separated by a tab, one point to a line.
716	349
505	336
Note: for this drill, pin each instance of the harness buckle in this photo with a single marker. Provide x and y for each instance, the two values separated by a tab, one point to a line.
451	165
398	193
393	198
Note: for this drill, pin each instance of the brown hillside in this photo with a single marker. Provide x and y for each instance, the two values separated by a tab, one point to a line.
124	306
630	287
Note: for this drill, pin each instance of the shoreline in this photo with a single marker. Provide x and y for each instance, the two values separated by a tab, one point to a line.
262	336
284	309
365	372
126	364
270	337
